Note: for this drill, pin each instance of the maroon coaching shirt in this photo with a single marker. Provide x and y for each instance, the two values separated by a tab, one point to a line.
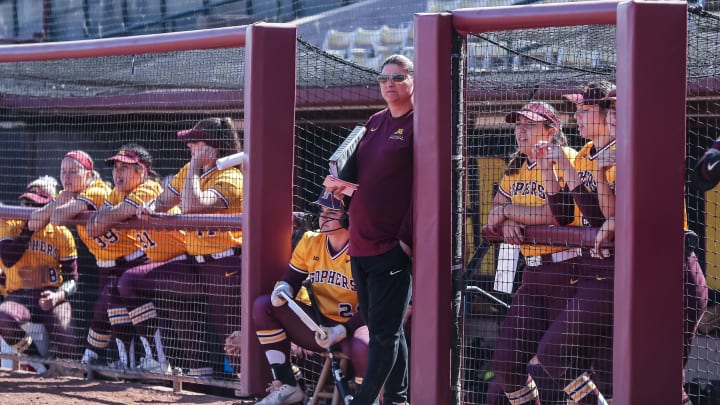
381	208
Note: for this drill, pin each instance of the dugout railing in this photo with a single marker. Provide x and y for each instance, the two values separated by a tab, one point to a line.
262	99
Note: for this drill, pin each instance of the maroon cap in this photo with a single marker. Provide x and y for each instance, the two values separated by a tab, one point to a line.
126	156
40	191
196	134
592	94
534	111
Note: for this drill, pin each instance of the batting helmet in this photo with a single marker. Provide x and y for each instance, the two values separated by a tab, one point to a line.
707	171
327	200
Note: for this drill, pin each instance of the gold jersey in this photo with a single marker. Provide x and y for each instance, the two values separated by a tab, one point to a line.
330	274
526	188
227	185
40	265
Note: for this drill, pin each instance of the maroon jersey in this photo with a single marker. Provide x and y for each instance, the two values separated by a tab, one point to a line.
381	208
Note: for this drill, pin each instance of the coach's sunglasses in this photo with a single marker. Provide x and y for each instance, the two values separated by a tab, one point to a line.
396	78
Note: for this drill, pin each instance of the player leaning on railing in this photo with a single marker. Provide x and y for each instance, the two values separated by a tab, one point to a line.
212	271
577	348
40	272
135	186
84	191
548	280
592	186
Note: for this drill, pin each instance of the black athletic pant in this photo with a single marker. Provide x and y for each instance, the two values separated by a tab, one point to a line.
383	285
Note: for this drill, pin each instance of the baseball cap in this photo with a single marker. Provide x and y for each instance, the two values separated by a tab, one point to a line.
41	190
196	134
707	171
535	111
592	94
127	156
327	200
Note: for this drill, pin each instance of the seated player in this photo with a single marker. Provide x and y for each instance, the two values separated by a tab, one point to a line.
322	257
40	274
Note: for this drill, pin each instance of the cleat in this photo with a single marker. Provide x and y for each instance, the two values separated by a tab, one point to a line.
149	365
282	394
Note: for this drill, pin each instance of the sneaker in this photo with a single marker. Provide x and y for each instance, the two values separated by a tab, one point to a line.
89	357
33	367
282	394
150	365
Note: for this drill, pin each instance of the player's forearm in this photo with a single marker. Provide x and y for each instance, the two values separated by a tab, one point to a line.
11	250
41	216
606	197
589	205
103	220
569	173
541	215
62	214
562	206
193	199
550	181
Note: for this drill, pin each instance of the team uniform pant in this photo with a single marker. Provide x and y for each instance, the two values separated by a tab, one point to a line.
24	306
278	326
182	287
541	298
110	317
579	339
384	287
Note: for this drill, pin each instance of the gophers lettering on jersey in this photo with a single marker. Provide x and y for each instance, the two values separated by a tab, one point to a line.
530	188
586	166
44	247
527	186
334	289
332	277
588	180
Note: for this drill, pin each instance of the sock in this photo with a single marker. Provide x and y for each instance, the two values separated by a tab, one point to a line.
284	373
528	394
582	387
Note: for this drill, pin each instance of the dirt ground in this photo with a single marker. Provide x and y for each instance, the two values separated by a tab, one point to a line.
24	388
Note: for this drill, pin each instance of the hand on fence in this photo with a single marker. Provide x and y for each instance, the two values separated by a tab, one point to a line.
513	232
275	298
333	335
232	344
605	234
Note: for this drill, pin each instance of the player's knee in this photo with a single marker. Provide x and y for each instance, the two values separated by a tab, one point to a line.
261	307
